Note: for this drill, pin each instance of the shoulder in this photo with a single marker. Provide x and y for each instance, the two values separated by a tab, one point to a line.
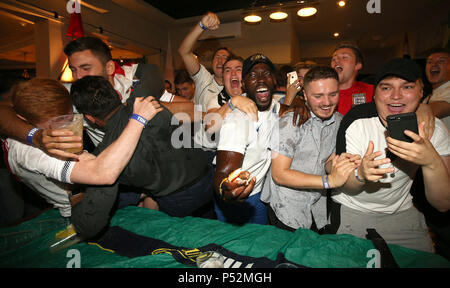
441	138
366	110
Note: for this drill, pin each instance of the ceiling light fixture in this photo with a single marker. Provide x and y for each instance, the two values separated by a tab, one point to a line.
252	18
278	15
341	3
336	34
306	11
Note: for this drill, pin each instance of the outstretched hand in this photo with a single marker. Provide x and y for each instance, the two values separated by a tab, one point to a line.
369	169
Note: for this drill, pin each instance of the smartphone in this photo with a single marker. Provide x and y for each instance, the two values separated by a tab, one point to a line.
292	76
398	123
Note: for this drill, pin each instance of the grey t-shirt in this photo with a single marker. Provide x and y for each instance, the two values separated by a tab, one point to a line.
309	146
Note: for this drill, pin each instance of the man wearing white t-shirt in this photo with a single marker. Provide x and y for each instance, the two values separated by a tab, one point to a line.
377	195
244	144
207	85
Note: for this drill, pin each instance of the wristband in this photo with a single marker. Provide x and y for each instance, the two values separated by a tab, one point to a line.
220	186
357	178
202	26
230	105
139	118
31	134
325	182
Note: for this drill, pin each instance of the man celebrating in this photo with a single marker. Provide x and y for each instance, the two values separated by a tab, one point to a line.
206	85
438	74
244	144
302	156
347	60
377	194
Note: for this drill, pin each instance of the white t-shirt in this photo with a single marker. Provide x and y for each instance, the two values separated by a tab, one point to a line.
206	87
390	194
46	175
442	93
241	134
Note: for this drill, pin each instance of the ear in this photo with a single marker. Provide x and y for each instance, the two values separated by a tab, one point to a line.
358	66
110	68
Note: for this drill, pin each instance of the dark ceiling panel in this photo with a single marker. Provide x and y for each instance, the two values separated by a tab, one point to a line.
183	9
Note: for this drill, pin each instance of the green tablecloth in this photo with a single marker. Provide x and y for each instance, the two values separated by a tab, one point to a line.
26	245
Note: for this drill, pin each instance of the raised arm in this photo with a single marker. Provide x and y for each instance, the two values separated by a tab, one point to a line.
106	168
211	22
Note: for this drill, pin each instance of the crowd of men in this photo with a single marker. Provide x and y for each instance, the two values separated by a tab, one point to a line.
224	146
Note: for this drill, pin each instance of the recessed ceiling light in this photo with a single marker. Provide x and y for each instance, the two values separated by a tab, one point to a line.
278	15
306	11
341	3
336	34
252	18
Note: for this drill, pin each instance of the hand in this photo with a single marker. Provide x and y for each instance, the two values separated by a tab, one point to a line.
146	107
342	168
301	111
238	189
420	152
211	21
53	141
425	114
291	91
246	105
368	170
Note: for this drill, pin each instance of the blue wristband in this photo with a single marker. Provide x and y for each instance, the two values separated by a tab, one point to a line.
202	26
230	105
325	182
31	134
357	178
139	118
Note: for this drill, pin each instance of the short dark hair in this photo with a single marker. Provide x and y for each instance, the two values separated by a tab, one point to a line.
183	77
320	72
218	49
94	95
358	54
95	45
233	57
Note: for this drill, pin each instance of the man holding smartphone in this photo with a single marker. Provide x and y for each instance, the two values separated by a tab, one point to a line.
377	194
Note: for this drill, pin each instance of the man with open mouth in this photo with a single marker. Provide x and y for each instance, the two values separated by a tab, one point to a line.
244	144
438	74
378	194
347	60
